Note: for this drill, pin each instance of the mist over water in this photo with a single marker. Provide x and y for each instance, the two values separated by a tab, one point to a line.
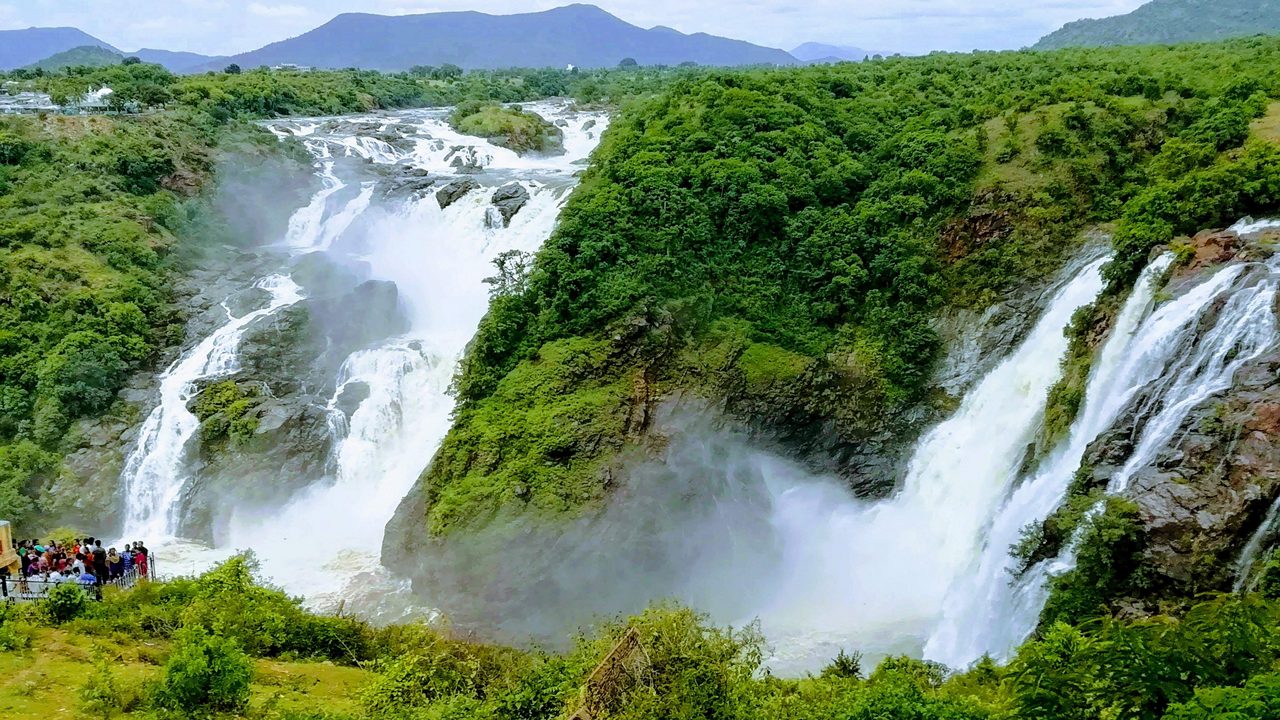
744	534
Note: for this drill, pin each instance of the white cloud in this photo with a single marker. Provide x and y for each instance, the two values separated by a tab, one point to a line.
278	11
9	19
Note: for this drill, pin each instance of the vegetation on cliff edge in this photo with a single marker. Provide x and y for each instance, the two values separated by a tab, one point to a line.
825	214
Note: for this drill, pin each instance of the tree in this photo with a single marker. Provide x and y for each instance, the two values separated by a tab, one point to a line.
232	69
132	60
628	63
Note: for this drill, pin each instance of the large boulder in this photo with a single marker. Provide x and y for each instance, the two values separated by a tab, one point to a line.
408	181
508	199
453	192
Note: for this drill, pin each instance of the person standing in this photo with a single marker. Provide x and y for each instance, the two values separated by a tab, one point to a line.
140	559
99	562
115	565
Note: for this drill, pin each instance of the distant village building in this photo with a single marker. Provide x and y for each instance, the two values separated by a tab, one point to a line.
15	103
291	66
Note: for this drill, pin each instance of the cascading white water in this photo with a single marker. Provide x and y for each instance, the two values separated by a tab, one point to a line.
1147	360
154	473
438	260
978	606
874	575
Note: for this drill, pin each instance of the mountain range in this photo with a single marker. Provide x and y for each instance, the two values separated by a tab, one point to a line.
579	35
1171	21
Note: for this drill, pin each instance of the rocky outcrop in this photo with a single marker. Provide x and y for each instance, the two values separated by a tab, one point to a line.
508	199
407	181
1210	489
288	362
453	192
1205	493
464	159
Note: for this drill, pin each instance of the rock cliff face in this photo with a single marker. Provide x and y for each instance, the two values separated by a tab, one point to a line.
1205	492
288	362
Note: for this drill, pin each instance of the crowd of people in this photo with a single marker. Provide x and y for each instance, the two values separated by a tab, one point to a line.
83	560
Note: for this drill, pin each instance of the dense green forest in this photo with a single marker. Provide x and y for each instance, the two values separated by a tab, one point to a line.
781	240
98	213
222	645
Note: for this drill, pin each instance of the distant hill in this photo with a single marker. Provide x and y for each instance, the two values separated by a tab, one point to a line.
179	62
812	52
581	35
19	48
1171	21
90	55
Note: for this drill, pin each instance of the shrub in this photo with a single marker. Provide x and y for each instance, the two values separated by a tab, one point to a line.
1108	565
65	602
15	632
205	672
100	695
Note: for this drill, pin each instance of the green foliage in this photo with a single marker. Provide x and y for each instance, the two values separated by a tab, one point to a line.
845	665
826	214
1112	668
1216	658
65	602
100	695
15	630
509	127
1108	564
538	442
1259	699
205	672
223	410
227	602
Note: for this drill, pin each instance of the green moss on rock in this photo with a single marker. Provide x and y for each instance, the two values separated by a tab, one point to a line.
541	440
224	410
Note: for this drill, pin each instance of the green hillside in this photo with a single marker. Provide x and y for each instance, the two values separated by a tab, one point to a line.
83	56
1171	21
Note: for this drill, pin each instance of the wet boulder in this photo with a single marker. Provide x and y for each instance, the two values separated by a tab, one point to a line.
408	181
451	193
508	199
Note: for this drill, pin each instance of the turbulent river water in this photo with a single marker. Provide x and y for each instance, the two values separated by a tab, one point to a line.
925	571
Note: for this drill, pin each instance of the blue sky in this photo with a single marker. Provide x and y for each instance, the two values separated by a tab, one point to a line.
912	26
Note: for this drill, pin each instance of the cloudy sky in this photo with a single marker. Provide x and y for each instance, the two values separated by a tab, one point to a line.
909	26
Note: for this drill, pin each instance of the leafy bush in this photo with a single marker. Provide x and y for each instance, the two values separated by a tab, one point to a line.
65	602
205	672
100	695
1108	565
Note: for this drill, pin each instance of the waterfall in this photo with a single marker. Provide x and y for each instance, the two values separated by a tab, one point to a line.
324	543
979	606
1164	362
154	474
1244	565
874	575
